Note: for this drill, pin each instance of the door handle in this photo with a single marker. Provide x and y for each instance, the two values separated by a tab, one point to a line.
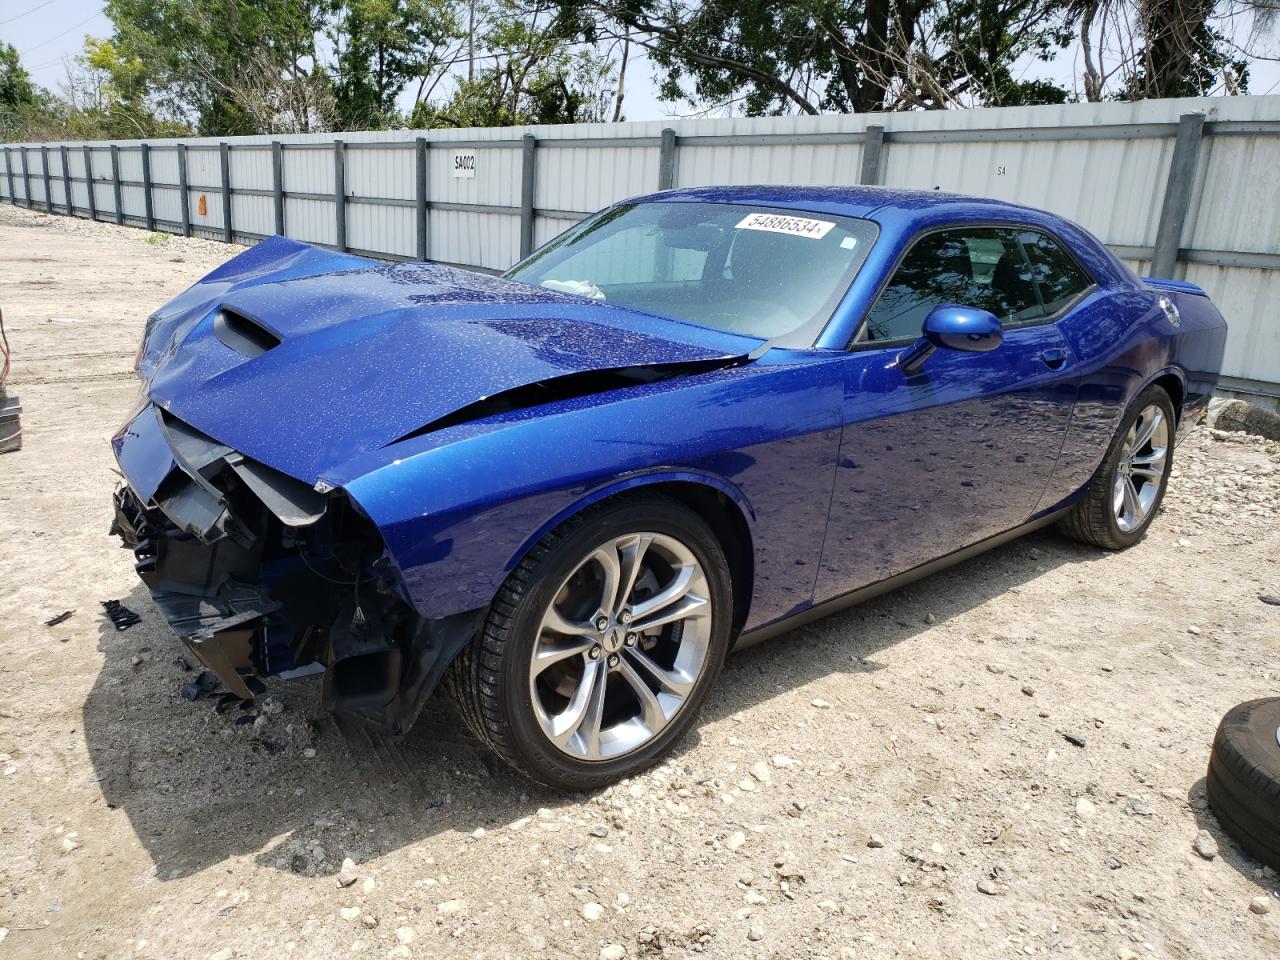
1054	357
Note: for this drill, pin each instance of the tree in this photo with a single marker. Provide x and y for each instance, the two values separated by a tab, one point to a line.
383	46
231	66
532	69
814	56
817	56
19	97
106	98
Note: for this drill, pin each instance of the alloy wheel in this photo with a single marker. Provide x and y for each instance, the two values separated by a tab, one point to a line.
1140	470
621	646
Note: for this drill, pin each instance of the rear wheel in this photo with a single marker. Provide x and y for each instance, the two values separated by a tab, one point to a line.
1125	491
601	645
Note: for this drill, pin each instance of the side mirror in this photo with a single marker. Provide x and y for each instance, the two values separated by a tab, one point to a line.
953	327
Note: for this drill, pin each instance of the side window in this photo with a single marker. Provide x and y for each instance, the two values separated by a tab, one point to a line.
1057	275
977	266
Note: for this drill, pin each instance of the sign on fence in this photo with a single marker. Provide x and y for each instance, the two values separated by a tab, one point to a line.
464	165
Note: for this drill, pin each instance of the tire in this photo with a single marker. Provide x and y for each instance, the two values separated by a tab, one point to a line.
507	704
1095	518
1243	782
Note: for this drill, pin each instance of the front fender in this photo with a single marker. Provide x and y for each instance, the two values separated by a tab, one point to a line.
460	507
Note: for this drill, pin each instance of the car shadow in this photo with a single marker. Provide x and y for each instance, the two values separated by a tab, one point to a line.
200	788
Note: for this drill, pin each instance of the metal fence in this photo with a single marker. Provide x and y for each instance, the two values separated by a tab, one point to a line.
1183	188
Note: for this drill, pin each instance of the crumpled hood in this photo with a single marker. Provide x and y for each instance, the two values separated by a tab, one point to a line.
304	372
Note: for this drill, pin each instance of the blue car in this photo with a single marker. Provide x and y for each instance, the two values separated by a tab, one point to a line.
695	420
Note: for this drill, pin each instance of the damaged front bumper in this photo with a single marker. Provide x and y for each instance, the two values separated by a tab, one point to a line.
260	575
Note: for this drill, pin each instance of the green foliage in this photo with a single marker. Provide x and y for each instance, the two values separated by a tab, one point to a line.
535	72
21	108
814	56
383	46
1187	58
107	98
230	66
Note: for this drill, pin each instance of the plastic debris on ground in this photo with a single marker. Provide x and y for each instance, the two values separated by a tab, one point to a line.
119	614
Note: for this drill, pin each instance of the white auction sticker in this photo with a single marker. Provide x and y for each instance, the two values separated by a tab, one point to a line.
792	226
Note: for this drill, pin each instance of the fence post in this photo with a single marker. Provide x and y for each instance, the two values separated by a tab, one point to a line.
224	157
48	183
115	183
420	196
26	175
88	176
277	183
340	195
148	203
667	160
872	151
1177	194
8	169
527	183
184	190
66	181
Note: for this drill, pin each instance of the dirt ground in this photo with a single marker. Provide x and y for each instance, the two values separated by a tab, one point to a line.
893	781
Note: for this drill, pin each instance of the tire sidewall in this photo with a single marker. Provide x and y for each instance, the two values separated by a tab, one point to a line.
1149	396
656	515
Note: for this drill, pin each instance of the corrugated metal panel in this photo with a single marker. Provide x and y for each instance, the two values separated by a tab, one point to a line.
105	199
700	166
588	178
164	165
131	200
251	169
79	189
131	165
478	239
381	173
308	171
168	204
546	229
1238	202
382	229
310	220
203	168
1122	207
497	180
252	214
1247	298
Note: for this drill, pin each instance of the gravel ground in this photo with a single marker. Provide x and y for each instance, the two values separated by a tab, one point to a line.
894	781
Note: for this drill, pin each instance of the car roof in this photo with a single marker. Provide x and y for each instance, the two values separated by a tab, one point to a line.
881	204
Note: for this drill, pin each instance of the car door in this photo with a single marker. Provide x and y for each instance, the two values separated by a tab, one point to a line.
960	451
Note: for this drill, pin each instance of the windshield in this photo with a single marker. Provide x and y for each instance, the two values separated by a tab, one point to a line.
756	271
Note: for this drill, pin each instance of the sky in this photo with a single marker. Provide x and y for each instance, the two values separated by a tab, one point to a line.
53	32
48	33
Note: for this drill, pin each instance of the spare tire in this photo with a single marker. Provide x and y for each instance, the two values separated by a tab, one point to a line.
1243	783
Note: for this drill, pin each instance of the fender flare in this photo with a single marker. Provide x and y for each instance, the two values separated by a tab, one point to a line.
1169	370
635	482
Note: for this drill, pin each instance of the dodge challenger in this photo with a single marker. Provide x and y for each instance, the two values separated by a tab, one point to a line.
692	421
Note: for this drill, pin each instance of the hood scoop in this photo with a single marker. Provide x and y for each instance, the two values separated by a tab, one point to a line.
243	334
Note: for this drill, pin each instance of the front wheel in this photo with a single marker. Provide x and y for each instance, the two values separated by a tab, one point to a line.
1125	491
601	645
